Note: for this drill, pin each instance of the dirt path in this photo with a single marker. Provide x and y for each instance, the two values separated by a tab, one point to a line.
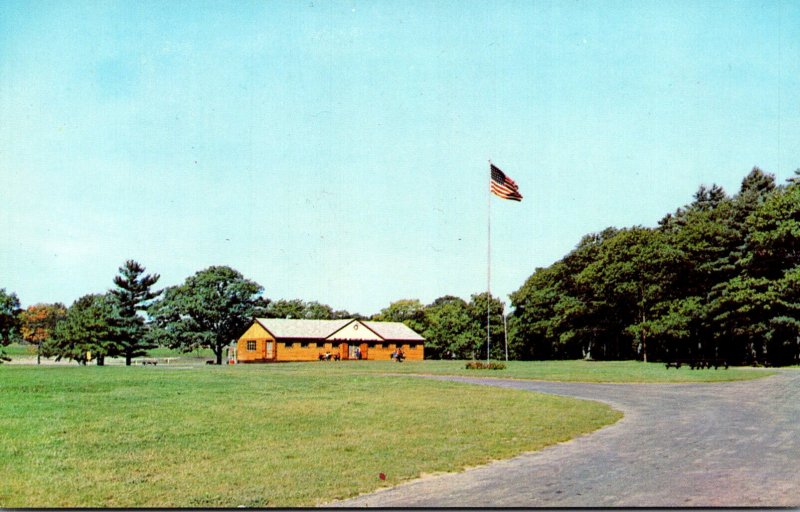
679	445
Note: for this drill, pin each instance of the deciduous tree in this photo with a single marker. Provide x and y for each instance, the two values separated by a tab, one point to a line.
210	309
408	311
38	322
9	322
451	330
299	309
486	310
635	270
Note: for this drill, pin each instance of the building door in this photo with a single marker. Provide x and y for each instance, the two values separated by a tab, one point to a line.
268	350
345	351
364	351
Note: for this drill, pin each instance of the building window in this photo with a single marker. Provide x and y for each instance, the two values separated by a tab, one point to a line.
392	346
251	346
379	346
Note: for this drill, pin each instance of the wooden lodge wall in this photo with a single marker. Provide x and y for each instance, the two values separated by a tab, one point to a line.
258	345
260	336
310	351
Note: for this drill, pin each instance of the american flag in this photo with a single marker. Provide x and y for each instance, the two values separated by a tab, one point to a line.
503	186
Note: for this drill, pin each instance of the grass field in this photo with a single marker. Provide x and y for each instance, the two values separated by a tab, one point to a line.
269	435
19	349
26	349
566	371
169	352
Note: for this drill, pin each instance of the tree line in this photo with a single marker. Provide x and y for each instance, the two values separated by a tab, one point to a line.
210	310
718	278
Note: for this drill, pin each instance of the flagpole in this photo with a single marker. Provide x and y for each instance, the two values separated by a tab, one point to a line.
504	187
489	267
505	331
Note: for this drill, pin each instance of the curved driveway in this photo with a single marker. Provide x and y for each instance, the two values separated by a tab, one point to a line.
679	445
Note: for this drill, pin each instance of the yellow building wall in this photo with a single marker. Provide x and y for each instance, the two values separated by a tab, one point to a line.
291	351
310	351
258	334
412	351
255	331
248	356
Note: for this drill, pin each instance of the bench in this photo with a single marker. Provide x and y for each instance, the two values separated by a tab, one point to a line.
698	364
708	363
149	361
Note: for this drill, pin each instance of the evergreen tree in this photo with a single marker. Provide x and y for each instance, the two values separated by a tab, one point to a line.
133	294
87	331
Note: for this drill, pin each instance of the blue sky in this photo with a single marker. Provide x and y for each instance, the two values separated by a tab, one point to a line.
337	151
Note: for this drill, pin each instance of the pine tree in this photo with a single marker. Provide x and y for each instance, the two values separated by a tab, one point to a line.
86	332
133	294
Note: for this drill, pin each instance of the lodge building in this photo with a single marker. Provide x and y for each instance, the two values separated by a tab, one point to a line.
279	339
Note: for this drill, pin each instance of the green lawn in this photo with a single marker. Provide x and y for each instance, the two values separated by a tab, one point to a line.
258	436
567	371
25	349
19	349
169	352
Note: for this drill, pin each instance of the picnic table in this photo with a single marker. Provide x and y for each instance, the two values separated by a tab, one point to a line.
697	364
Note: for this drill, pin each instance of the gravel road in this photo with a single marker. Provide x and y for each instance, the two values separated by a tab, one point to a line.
679	445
